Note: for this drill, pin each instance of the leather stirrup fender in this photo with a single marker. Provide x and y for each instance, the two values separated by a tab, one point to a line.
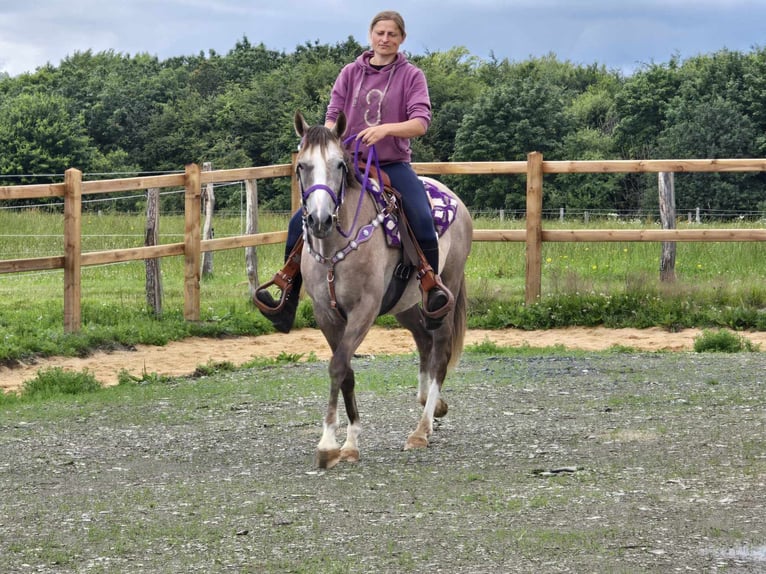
283	279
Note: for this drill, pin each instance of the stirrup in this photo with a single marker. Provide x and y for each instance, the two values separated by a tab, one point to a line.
433	317
263	298
284	279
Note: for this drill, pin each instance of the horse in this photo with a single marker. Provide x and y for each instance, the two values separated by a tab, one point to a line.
347	264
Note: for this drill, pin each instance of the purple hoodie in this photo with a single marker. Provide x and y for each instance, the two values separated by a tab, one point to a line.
369	97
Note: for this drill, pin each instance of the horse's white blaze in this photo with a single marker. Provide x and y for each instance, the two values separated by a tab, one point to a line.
319	203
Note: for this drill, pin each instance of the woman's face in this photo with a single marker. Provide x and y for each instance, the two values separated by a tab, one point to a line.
385	39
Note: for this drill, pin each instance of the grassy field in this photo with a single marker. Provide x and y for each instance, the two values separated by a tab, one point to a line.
615	284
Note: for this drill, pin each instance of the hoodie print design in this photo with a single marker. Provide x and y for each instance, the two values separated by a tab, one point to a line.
374	109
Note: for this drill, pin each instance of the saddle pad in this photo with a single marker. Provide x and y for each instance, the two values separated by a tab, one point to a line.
443	211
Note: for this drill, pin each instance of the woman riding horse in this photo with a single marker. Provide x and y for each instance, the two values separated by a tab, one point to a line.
385	100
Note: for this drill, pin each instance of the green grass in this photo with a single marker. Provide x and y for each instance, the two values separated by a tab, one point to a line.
723	341
719	285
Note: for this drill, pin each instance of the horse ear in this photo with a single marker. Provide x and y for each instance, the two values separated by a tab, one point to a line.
300	124
340	125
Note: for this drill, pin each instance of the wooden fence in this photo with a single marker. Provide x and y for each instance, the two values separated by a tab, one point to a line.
534	168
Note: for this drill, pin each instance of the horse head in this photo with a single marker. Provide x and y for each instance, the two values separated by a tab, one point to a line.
322	170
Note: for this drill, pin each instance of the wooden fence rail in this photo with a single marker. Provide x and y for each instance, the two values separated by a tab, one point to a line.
192	180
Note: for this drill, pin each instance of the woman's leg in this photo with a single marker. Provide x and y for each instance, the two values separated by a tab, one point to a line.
417	209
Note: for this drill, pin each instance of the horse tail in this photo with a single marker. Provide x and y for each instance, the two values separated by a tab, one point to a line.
458	324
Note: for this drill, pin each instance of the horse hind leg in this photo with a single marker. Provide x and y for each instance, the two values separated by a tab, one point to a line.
419	437
349	452
441	408
429	344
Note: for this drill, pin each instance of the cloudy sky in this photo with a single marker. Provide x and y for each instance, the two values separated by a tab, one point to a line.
621	34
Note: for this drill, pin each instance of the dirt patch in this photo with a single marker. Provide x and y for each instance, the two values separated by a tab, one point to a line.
179	358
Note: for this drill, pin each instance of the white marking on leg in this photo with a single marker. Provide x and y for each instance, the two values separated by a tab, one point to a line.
352	434
423	381
430	408
328	441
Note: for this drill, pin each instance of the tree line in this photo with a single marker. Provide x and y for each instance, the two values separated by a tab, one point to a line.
108	113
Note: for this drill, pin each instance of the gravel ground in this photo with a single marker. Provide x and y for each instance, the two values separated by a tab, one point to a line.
571	462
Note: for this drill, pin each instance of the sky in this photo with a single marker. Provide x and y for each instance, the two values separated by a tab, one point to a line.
619	34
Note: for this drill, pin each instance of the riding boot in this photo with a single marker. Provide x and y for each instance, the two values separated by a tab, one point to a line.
438	300
281	312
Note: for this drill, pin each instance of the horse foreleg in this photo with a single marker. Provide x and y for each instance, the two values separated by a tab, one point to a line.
342	379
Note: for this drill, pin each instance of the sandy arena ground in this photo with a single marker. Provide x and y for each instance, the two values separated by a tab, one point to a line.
182	357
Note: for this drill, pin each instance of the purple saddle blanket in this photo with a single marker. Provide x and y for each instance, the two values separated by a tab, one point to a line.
443	210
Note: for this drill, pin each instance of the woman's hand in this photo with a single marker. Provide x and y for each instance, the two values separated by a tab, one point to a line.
372	135
409	129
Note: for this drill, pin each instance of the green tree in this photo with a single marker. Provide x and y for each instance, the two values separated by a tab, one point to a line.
453	87
640	109
505	124
39	135
708	129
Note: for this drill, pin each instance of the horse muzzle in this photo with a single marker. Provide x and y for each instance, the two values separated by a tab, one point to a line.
321	226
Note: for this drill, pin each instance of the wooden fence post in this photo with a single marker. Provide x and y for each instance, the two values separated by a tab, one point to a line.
72	249
251	227
208	206
668	218
534	227
192	247
151	238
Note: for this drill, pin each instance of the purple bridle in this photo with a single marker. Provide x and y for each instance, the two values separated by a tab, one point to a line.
337	199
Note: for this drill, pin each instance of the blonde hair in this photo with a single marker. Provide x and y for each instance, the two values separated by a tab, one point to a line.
389	15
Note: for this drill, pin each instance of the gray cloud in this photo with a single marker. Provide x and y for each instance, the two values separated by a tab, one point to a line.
620	35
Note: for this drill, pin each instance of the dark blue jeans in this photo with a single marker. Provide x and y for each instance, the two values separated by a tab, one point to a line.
416	206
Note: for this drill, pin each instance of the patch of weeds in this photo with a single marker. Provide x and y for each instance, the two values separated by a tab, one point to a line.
289	357
57	381
281	359
125	378
617	348
213	367
488	347
8	398
723	341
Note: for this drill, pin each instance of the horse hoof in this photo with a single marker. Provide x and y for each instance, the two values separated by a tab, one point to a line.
349	454
441	409
328	458
416	440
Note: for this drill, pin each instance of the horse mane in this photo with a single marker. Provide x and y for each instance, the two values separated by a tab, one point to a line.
319	135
